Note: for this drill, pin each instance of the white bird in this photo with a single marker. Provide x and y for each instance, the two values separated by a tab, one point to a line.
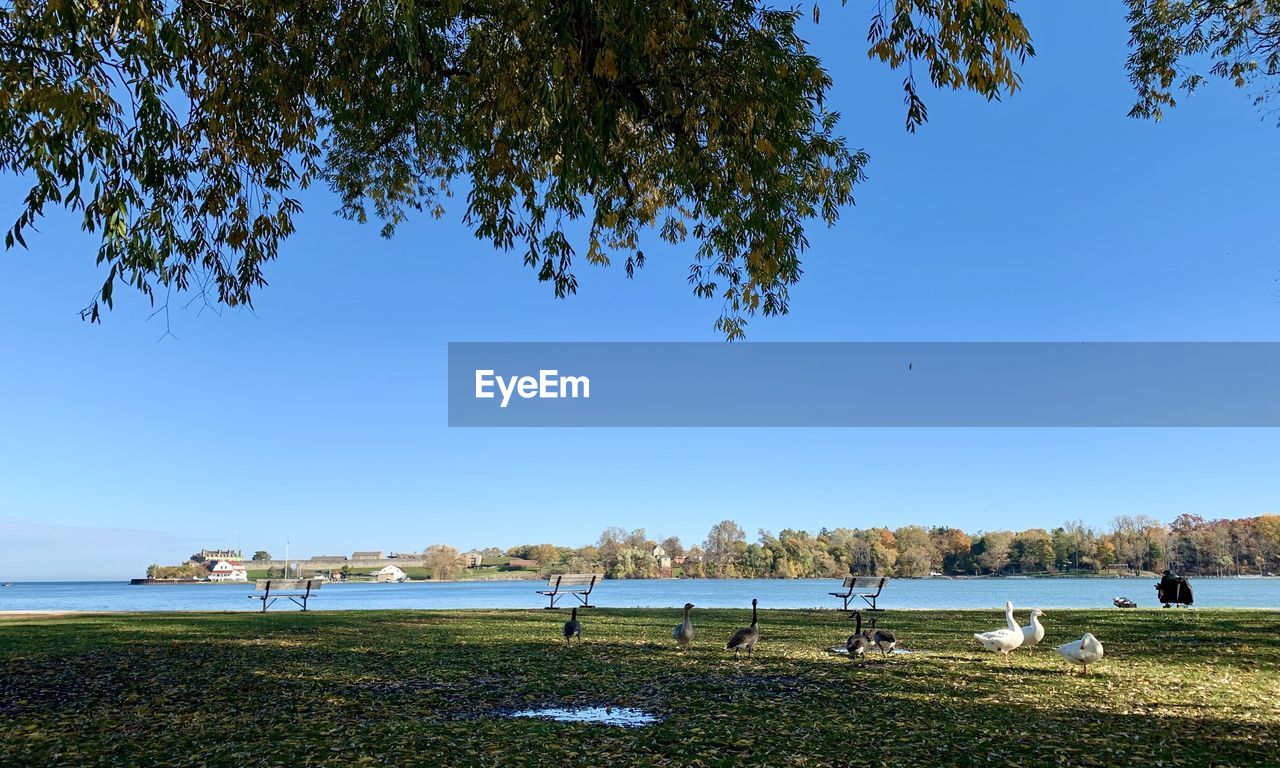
1033	633
1002	641
1084	651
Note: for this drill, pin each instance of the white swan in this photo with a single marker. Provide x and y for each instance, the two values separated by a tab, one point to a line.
1084	651
1002	641
1033	633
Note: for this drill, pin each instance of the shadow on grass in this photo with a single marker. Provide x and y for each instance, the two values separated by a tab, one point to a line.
397	685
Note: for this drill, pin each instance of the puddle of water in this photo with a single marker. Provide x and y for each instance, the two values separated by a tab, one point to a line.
620	716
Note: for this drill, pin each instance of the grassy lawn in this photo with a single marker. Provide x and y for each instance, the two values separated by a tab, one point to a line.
430	688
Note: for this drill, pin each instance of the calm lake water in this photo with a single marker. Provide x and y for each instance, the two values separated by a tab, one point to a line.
653	593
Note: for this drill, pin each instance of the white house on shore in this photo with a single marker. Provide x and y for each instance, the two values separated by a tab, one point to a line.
227	570
390	573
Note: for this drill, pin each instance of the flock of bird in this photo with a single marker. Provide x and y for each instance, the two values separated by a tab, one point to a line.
1011	637
1004	641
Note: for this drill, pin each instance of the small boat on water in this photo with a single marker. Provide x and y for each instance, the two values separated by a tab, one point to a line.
7	584
1124	602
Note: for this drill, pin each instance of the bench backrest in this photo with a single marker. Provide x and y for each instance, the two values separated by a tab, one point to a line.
261	584
865	582
573	580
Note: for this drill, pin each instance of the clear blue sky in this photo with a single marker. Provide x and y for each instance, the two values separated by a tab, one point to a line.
320	417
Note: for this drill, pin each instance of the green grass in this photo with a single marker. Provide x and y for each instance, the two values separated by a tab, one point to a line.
430	688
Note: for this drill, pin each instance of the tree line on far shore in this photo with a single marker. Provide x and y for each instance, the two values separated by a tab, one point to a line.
1189	544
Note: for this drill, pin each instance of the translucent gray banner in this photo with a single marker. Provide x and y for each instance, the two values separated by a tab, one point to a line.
978	384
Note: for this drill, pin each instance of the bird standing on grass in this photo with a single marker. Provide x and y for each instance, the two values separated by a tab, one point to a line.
1002	641
1084	651
858	643
745	638
683	633
884	640
573	627
1033	633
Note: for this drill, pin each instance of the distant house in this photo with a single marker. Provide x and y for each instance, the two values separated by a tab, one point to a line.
366	555
220	554
228	570
473	559
659	552
390	573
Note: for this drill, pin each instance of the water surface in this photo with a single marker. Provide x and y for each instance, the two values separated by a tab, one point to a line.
648	593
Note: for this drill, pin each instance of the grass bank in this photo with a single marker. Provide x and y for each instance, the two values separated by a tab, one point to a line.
431	688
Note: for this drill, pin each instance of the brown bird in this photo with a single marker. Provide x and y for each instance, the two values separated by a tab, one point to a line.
573	627
745	638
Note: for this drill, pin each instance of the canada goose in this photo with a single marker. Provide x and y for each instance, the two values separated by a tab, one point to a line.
1033	633
1084	651
858	643
573	627
1002	641
745	638
884	640
683	633
879	638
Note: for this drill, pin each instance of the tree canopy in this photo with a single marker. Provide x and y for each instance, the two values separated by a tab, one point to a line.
181	131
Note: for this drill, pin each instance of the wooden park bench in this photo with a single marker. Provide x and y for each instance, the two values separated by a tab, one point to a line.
297	590
866	587
577	584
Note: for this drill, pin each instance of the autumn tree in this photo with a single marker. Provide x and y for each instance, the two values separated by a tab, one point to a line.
1177	45
1268	532
546	555
441	560
726	543
917	555
181	132
995	548
1034	550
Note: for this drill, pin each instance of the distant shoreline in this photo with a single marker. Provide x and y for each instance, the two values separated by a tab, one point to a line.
1014	577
